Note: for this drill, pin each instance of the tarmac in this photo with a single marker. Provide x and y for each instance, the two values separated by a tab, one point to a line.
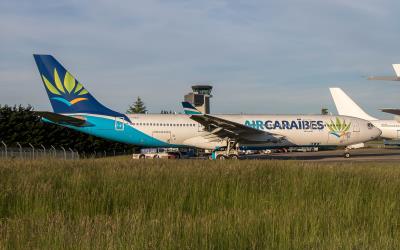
357	155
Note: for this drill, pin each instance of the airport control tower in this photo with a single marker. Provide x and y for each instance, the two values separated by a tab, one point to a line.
200	97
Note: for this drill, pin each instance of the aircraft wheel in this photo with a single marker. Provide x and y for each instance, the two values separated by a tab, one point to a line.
347	155
221	157
142	157
234	156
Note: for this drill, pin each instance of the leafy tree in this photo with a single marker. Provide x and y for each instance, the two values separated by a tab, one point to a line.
137	107
19	124
324	111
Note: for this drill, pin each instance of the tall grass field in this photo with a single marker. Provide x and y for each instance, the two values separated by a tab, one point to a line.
119	203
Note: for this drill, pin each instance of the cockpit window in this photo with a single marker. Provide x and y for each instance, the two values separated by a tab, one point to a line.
370	125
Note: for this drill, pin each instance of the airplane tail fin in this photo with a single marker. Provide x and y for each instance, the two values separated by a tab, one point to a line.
189	109
66	94
396	68
346	106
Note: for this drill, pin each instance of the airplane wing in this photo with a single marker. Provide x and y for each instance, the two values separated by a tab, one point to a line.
62	119
391	111
396	68
223	128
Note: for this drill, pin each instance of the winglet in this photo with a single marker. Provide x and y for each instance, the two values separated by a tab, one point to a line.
189	109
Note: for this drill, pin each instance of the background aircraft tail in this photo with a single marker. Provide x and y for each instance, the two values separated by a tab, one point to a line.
346	106
66	94
396	68
189	109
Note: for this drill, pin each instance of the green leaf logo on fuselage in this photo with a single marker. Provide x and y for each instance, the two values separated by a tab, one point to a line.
338	128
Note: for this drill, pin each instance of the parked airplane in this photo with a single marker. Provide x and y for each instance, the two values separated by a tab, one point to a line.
74	107
396	68
346	106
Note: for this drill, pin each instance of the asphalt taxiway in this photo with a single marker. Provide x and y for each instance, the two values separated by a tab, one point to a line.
367	155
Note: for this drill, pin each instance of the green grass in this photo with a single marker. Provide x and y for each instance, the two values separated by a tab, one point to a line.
122	203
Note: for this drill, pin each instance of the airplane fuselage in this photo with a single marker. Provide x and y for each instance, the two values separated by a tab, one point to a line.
390	128
162	130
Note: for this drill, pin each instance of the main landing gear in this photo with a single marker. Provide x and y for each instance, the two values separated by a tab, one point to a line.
228	152
346	153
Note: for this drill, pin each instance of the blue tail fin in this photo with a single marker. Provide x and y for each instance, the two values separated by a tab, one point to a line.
189	109
66	94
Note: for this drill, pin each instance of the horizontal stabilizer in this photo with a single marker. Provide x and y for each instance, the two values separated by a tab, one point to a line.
63	119
189	109
396	68
384	78
391	111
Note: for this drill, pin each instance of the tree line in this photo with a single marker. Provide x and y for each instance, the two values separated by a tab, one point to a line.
20	124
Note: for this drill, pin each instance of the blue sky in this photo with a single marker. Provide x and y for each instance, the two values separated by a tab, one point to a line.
261	56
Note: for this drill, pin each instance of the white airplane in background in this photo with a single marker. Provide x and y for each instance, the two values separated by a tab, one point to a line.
396	68
346	106
74	107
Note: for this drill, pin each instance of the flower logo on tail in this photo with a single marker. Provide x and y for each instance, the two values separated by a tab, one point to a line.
338	128
68	91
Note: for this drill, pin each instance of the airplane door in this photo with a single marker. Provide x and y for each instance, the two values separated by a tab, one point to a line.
200	127
164	136
119	123
356	127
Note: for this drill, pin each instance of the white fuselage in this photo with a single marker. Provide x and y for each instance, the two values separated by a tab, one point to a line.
295	130
346	106
390	128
